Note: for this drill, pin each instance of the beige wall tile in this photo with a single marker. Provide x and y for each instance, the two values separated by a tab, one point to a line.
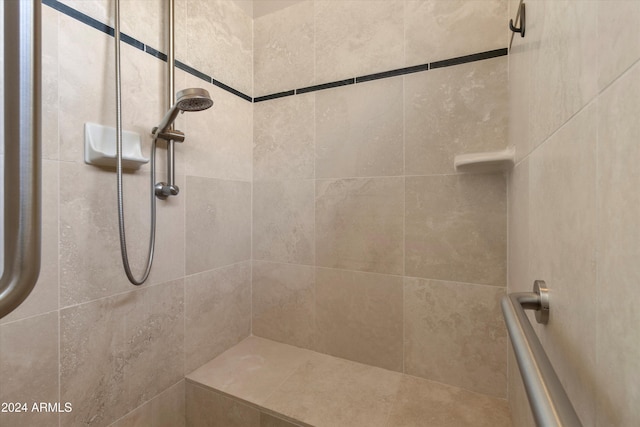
283	221
520	279
283	303
284	138
359	317
90	259
618	38
343	394
222	27
44	297
454	110
267	420
168	408
132	13
121	351
422	402
359	130
564	47
217	312
359	224
352	40
50	99
218	215
251	370
207	408
29	368
82	100
219	140
456	228
437	29
283	46
563	252
519	94
616	293
454	334
265	7
165	410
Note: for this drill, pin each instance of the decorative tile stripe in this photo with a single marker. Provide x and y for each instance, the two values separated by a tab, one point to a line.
94	23
199	74
469	58
325	86
393	73
274	96
69	11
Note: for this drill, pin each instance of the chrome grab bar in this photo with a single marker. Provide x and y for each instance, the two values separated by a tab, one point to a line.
22	142
549	402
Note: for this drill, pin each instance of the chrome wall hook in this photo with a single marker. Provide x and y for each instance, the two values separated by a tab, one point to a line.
521	15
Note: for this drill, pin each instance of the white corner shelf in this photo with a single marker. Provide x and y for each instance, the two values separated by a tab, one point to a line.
100	147
490	161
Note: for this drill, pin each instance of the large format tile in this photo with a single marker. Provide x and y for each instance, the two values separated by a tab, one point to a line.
359	317
436	29
217	312
165	410
206	408
359	224
218	218
82	100
352	40
283	307
283	49
562	252
454	110
29	369
455	334
251	370
456	228
617	50
564	77
326	391
90	259
121	351
222	27
616	293
219	141
50	79
283	221
426	403
284	138
359	130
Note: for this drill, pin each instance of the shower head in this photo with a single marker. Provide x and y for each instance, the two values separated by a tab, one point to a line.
192	99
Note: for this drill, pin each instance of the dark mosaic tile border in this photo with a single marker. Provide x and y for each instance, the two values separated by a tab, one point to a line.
69	11
391	73
85	19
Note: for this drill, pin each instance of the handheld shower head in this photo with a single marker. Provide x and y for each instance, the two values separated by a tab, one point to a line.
192	99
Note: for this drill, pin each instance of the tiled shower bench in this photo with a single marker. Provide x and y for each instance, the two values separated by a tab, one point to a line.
262	383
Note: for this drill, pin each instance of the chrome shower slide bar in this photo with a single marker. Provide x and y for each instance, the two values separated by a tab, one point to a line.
549	402
22	144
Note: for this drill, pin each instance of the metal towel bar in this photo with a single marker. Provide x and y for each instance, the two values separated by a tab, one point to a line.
549	402
22	142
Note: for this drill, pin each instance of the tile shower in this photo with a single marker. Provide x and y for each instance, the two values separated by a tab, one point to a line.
332	219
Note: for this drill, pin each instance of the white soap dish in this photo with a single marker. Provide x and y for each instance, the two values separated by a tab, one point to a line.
100	147
490	161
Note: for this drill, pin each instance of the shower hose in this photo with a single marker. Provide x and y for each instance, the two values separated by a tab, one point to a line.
121	225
